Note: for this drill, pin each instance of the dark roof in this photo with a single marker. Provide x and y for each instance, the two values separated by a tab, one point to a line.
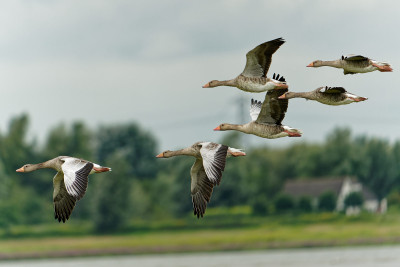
314	187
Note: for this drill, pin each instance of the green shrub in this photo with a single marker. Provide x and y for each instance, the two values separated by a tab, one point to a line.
304	204
327	201
284	203
259	205
354	199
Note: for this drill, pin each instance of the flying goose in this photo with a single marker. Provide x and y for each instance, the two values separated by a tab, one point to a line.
353	64
254	76
69	183
206	171
266	118
334	96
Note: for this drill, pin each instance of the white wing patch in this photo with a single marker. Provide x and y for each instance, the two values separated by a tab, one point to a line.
214	158
76	174
255	109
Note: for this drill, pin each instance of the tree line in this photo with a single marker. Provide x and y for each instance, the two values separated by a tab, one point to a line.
143	187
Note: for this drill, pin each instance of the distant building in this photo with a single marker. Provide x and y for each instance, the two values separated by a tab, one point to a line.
341	187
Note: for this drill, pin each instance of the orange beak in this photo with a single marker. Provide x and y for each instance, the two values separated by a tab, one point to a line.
207	85
161	155
311	64
282	96
20	169
217	128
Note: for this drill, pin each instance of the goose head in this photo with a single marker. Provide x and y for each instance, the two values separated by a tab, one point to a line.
315	64
221	127
287	95
213	83
26	168
165	154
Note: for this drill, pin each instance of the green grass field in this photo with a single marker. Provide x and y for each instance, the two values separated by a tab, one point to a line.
215	232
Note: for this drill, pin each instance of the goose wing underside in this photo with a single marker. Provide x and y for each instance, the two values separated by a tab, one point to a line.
63	202
259	59
76	172
214	159
255	109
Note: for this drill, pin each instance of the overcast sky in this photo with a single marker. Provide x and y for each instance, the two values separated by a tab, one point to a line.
108	62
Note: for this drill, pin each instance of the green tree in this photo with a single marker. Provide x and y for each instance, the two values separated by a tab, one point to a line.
138	146
56	143
16	150
376	166
80	141
299	160
337	155
179	170
284	203
260	181
76	142
111	195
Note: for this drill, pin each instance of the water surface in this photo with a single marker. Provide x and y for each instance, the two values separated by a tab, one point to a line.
383	256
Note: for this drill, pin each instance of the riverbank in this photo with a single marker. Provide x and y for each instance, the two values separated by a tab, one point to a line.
286	231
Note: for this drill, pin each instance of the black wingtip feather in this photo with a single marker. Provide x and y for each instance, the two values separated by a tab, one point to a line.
278	78
280	39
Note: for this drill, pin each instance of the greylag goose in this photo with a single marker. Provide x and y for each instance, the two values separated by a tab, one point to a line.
353	64
69	183
266	118
254	76
206	171
334	96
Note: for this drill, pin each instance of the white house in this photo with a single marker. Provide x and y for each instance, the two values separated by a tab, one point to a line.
340	186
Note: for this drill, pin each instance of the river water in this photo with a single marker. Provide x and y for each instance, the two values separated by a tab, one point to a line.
382	256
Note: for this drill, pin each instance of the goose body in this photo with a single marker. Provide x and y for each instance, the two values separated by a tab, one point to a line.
254	76
353	64
260	84
206	171
334	96
266	118
70	182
